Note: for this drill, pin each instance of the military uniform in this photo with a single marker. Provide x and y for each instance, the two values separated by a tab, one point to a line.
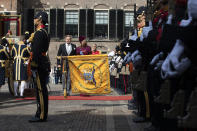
41	67
3	57
20	53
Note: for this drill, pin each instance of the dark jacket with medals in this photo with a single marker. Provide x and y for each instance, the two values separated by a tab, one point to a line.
39	48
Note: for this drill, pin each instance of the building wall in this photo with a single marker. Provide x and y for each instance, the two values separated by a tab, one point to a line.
82	4
29	7
115	28
8	5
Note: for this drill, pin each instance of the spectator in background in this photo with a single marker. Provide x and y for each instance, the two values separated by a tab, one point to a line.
65	49
84	49
94	50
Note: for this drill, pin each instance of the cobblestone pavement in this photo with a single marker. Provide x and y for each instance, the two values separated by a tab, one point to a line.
67	115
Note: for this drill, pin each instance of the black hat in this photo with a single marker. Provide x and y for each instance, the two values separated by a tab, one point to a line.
4	41
42	15
27	35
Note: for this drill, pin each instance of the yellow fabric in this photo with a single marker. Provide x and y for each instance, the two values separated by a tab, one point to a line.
139	32
147	104
89	74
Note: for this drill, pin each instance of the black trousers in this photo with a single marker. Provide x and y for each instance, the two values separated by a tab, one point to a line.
42	95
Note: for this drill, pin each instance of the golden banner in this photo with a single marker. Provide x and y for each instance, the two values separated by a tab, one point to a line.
89	74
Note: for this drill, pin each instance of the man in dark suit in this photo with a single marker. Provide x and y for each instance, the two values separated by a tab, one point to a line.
66	49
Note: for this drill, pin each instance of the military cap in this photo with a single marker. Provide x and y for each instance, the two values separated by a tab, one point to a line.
26	32
27	35
42	15
4	41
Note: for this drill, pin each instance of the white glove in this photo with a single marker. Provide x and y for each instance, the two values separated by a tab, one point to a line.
134	54
176	52
127	56
111	67
181	67
26	62
165	68
118	59
112	53
156	58
169	22
158	65
185	23
114	58
192	8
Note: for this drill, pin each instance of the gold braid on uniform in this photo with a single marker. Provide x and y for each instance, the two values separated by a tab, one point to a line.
29	73
31	37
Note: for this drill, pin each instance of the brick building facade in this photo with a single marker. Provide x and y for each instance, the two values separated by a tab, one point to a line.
95	19
105	22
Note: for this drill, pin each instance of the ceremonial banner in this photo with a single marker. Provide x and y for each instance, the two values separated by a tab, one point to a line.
89	74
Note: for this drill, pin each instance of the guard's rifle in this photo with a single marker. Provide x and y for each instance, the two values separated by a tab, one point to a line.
63	59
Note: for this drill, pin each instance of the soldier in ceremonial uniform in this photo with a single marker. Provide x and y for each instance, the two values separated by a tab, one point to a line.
27	35
40	65
20	53
3	56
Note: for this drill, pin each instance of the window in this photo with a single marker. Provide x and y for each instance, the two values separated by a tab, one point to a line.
129	16
71	23
101	24
128	22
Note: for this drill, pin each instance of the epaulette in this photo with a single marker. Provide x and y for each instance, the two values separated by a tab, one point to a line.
21	43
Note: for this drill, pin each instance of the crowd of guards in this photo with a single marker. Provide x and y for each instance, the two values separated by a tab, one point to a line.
19	54
162	52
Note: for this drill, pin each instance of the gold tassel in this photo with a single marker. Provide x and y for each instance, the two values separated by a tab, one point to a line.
65	94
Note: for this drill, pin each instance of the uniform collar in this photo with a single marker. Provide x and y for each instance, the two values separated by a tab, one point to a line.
40	27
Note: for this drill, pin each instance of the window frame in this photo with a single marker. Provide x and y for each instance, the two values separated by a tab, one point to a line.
71	9
94	29
126	11
124	27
